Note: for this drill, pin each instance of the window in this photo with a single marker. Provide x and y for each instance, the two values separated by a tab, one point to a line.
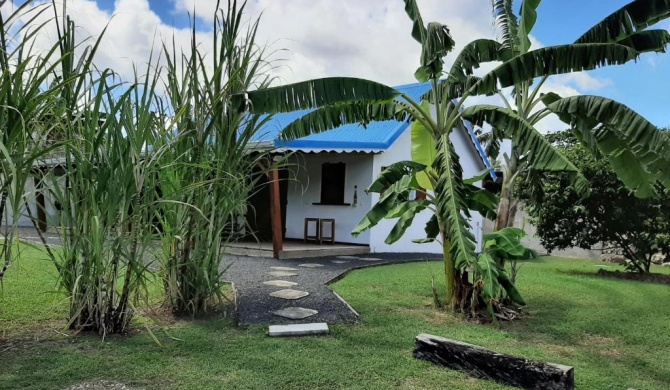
332	183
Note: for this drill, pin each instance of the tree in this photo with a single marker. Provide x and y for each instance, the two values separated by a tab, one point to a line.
623	28
337	101
611	214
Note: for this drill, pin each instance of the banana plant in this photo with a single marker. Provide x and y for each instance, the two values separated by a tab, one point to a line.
618	38
337	101
490	281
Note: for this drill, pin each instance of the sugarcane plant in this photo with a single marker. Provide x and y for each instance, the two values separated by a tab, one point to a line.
208	170
24	103
102	180
441	111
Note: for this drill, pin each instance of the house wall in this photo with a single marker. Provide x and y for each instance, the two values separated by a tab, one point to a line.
401	150
29	197
24	220
304	189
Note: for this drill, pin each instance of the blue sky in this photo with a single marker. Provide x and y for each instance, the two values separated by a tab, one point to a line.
371	39
644	85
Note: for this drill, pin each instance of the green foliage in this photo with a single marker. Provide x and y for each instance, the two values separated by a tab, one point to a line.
629	19
490	276
313	94
394	184
618	39
583	328
27	94
436	167
611	215
139	177
635	148
207	172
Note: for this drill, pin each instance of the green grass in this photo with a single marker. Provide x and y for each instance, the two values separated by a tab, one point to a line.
615	333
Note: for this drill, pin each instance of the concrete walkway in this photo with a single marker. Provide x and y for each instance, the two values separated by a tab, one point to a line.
261	285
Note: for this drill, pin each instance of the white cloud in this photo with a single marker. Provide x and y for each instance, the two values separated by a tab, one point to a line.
368	39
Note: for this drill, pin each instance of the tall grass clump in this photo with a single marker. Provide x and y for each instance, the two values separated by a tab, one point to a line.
108	192
25	101
207	170
150	176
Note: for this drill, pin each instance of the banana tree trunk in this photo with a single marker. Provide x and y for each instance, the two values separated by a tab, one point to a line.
508	206
449	272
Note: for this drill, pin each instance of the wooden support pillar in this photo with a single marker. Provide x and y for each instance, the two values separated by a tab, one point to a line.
275	212
40	203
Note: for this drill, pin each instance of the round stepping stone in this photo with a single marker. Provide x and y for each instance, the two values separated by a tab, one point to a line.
281	274
339	261
289	294
283	269
295	313
280	283
348	257
370	259
311	265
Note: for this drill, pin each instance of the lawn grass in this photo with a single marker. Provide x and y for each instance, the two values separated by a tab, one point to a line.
615	333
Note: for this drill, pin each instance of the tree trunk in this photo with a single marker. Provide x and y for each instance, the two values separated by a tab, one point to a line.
449	272
482	363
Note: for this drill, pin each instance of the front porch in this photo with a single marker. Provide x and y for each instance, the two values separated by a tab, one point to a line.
295	249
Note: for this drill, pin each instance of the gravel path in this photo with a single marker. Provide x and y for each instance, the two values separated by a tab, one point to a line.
255	305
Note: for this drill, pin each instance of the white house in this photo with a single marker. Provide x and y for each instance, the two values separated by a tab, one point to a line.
326	181
331	171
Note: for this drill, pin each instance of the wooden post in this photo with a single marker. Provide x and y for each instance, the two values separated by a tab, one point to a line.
275	214
40	203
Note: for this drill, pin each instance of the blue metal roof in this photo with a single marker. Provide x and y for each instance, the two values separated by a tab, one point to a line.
376	136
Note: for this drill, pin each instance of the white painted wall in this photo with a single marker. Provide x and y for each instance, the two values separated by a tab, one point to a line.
304	190
399	151
29	196
23	220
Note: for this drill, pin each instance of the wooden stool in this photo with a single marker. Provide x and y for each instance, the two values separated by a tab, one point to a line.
331	239
316	236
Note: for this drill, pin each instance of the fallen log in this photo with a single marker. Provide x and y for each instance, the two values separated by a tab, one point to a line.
485	364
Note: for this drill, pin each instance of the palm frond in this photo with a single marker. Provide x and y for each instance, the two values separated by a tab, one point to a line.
553	60
632	17
636	148
330	117
476	53
506	23
528	19
451	204
435	40
527	142
312	94
647	41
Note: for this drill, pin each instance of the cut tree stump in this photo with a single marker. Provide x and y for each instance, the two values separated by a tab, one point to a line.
485	364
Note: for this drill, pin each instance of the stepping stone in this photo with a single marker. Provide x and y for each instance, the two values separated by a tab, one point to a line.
311	265
298	329
348	257
370	259
339	261
283	269
281	274
280	283
295	313
289	294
